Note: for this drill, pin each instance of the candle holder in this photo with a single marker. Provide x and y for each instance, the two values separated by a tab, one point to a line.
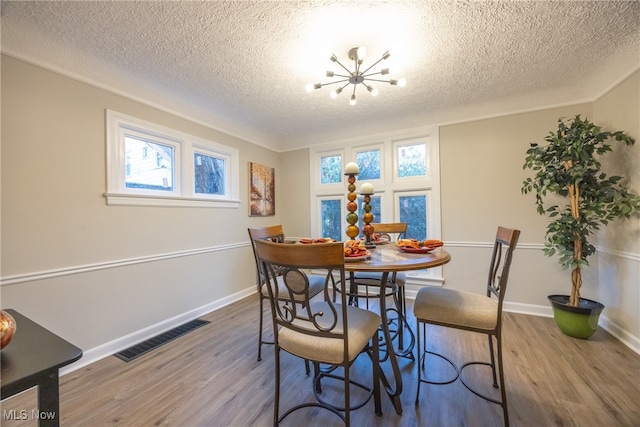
367	229
352	230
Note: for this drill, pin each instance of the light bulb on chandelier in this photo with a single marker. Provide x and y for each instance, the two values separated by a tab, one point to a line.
357	76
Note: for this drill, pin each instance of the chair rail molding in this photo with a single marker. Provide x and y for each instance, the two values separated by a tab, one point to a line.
78	269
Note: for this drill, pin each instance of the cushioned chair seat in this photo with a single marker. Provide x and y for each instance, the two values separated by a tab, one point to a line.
362	325
452	307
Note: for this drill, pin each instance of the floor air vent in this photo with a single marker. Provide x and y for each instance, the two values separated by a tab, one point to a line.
152	343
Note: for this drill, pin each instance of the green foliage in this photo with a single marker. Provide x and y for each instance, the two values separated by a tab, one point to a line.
369	164
331	169
570	158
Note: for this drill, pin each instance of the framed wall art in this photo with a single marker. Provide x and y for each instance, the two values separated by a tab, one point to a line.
262	190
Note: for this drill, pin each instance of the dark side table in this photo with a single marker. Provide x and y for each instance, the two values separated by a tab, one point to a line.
33	358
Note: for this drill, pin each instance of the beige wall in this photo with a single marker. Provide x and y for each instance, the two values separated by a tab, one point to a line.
294	188
481	179
618	263
55	220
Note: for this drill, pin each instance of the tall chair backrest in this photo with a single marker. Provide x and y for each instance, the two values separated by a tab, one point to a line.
290	261
388	228
504	245
274	233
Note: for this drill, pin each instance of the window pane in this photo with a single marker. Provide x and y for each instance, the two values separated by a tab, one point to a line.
411	160
330	170
148	165
331	218
369	164
208	174
413	211
375	210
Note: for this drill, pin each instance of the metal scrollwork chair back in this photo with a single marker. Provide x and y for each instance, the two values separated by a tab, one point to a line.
274	233
330	334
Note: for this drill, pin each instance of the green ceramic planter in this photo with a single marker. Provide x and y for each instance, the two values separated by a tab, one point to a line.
578	322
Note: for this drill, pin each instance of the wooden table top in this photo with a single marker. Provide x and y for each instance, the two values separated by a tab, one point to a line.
390	258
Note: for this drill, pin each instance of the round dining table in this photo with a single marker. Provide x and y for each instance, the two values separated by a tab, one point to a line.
388	259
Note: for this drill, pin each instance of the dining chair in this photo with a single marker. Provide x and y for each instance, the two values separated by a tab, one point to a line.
274	233
330	334
473	312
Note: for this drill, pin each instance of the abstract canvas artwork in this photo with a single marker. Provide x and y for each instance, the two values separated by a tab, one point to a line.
262	190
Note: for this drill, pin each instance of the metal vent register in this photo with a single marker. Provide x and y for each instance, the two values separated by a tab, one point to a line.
152	343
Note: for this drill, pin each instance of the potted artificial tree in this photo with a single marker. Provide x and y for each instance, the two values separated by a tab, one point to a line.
568	166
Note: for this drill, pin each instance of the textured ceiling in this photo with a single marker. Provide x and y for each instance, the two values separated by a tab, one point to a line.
242	67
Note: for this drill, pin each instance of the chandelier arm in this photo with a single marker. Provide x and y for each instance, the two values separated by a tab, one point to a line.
371	74
374	64
345	68
337	81
378	80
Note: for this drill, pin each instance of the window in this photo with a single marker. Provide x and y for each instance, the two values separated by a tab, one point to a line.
369	164
330	169
411	160
148	164
406	180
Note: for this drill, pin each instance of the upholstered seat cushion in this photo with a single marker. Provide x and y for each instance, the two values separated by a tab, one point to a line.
362	325
455	308
373	278
316	285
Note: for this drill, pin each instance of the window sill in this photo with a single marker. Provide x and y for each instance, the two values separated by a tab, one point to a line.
119	199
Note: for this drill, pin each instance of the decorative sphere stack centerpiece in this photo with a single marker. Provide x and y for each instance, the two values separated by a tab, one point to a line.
351	170
367	229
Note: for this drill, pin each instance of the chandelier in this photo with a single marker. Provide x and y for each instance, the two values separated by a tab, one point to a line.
358	75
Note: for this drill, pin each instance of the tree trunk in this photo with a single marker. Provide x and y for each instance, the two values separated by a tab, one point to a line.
576	273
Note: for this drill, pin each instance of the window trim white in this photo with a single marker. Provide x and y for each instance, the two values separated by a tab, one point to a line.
184	187
327	188
389	186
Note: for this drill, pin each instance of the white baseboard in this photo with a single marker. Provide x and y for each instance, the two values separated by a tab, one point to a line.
108	349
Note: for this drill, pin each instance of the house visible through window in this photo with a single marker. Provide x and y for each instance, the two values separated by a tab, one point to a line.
148	164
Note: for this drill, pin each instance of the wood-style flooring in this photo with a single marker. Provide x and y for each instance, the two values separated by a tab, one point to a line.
210	377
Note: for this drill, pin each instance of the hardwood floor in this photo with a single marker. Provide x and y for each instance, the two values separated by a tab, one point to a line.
210	377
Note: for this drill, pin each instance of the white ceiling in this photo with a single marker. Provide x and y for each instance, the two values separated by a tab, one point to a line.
242	67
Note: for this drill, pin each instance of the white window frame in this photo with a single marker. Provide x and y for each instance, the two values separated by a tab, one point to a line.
185	146
329	188
390	187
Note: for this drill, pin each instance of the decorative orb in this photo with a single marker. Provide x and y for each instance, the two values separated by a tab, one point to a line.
367	217
7	328
367	230
352	206
367	208
352	218
351	188
352	180
351	196
353	231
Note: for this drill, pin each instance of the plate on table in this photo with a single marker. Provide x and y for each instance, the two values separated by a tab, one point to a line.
321	240
412	250
382	241
357	258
